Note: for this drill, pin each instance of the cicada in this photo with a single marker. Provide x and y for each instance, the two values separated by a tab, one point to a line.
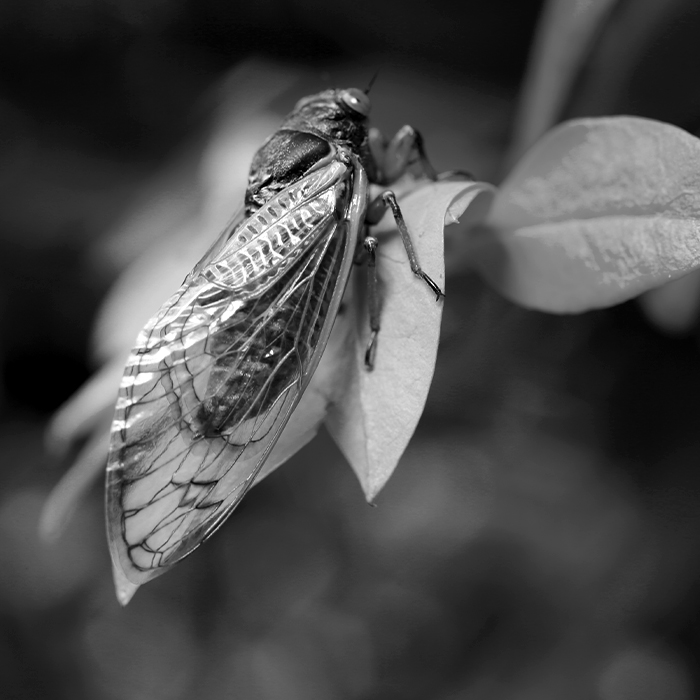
217	372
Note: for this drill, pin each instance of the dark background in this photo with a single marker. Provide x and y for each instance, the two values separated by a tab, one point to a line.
538	540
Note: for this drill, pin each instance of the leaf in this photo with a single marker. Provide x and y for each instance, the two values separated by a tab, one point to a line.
66	496
85	417
377	411
597	212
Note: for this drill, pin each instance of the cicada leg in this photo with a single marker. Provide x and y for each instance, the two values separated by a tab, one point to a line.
394	157
370	245
376	210
391	159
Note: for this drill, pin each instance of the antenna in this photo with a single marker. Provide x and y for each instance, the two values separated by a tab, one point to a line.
371	82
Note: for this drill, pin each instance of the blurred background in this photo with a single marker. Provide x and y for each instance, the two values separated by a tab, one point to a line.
539	539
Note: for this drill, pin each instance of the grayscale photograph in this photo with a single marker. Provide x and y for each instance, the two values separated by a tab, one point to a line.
349	352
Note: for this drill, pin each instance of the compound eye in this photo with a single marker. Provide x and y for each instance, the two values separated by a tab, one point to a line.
356	100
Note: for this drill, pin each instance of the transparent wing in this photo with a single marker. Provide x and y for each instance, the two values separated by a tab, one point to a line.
207	391
220	243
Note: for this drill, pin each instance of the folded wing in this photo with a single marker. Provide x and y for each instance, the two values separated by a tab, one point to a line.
217	372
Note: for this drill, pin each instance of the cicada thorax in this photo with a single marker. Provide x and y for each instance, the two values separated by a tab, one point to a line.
285	157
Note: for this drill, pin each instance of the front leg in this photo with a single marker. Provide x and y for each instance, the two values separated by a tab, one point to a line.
393	158
370	245
390	161
375	211
406	149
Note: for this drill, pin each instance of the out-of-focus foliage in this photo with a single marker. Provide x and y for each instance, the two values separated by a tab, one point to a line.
565	33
